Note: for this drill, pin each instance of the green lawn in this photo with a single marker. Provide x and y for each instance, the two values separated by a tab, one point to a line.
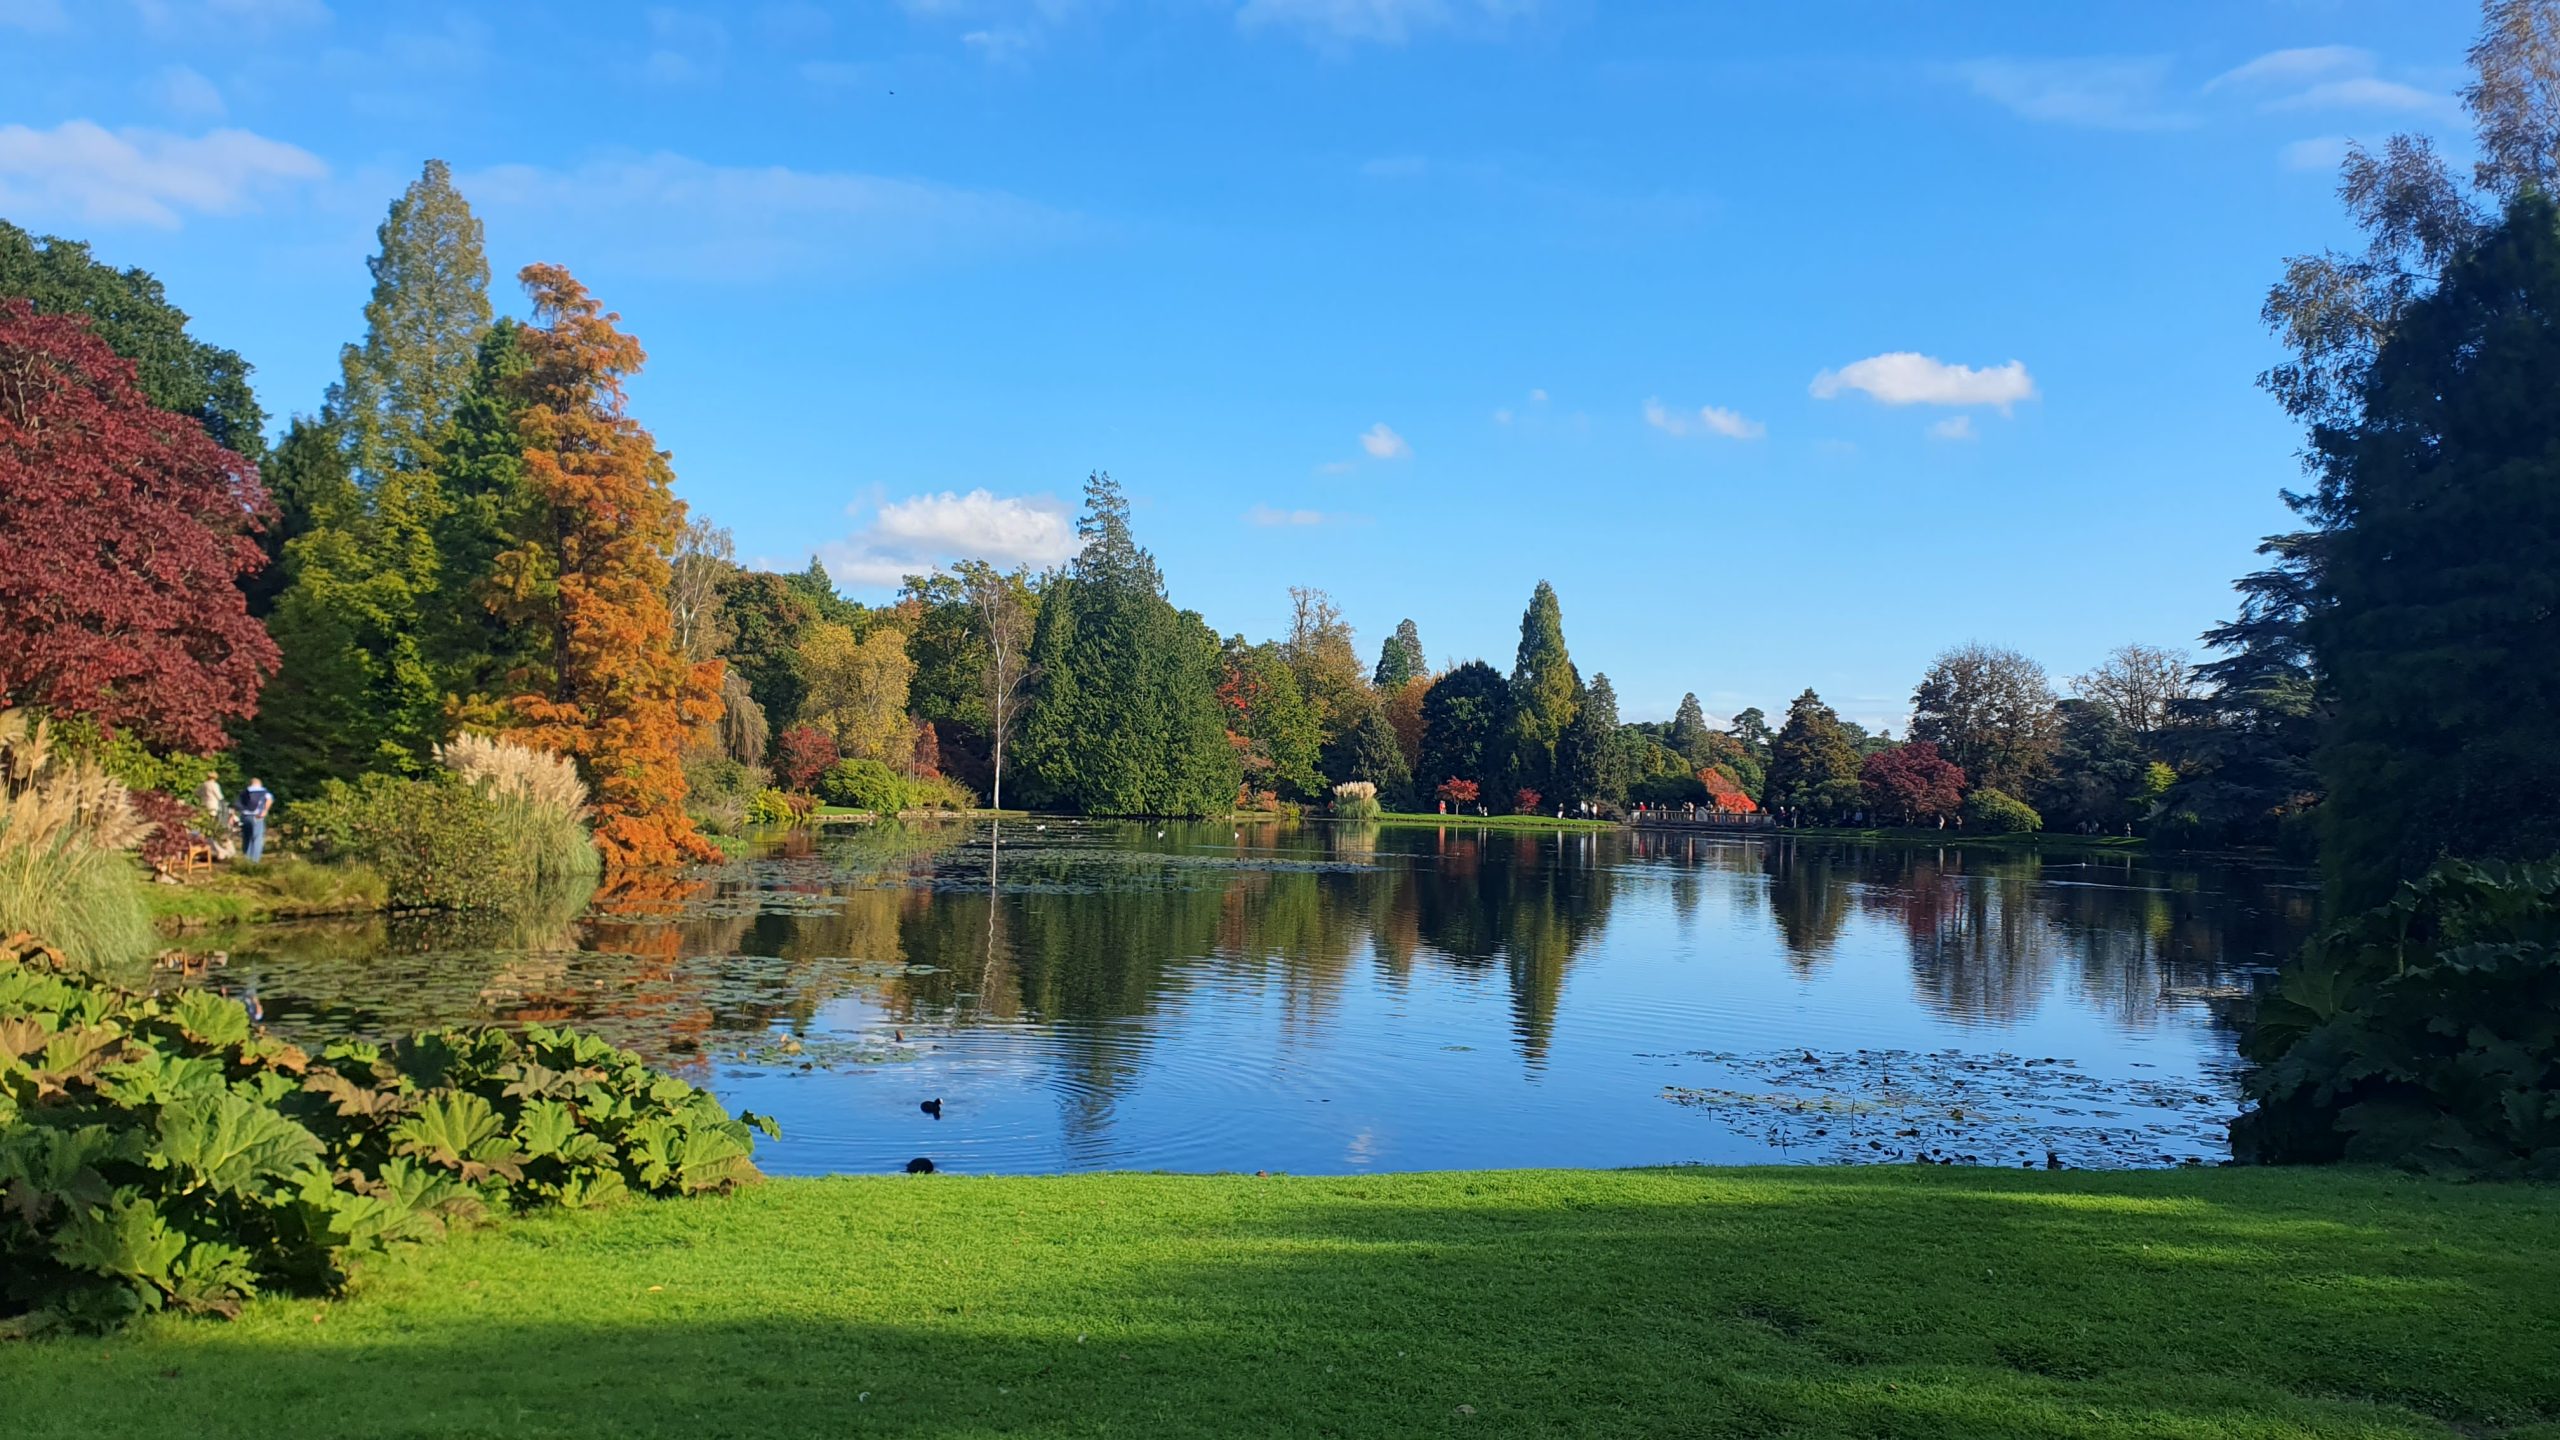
286	887
1871	1301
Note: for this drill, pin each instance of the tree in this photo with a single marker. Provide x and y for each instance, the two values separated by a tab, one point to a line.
1751	730
1124	718
1589	762
1369	752
131	313
1544	687
423	325
802	755
704	559
621	697
1688	726
1400	661
1268	721
767	616
1464	718
1007	611
858	690
1812	767
129	531
2436	633
1403	708
2101	772
2147	687
1991	711
485	637
1321	651
2244	746
1911	784
1720	751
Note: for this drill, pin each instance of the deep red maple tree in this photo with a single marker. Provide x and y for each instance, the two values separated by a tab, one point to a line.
128	531
1912	783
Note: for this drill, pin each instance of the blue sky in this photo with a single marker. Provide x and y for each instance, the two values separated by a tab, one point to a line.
1792	343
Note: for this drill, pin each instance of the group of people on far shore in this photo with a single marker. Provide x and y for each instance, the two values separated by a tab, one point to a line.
235	829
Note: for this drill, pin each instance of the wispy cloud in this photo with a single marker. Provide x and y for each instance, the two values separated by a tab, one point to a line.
2293	67
1380	22
82	171
1273	517
1954	427
924	532
2326	77
670	214
684	48
37	17
1904	377
2320	152
1709	419
2363	92
185	93
2104	92
1383	443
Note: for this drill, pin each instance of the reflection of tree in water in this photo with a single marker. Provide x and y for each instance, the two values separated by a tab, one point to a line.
1528	902
1980	951
1809	885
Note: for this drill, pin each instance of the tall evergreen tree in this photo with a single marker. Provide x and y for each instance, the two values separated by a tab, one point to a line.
1590	761
1369	751
1544	687
1812	766
1688	726
1125	717
484	647
423	324
2439	634
1400	659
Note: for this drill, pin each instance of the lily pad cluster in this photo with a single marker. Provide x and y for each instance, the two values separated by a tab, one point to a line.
162	1152
1961	1107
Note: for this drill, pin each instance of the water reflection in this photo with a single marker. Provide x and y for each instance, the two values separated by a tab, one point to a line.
1311	997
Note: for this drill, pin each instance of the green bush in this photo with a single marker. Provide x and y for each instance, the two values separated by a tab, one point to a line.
940	793
1990	810
2424	1032
776	807
436	843
162	1153
864	785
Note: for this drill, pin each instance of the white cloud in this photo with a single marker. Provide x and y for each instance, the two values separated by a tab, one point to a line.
673	215
2320	152
1954	427
1266	515
1904	377
269	12
82	171
187	94
1384	444
1000	44
36	16
2363	92
2292	67
2106	93
1381	22
1502	416
1337	467
923	532
684	48
1713	419
1537	397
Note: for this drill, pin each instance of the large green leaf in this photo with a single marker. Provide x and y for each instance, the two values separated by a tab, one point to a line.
126	1238
229	1143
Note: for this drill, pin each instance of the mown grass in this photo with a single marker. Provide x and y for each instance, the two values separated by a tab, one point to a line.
1491	822
286	887
1918	1302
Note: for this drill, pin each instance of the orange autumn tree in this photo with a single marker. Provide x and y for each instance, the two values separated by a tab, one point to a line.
621	696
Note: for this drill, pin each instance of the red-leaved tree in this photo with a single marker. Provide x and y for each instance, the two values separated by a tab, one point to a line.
802	755
1458	792
1911	783
128	531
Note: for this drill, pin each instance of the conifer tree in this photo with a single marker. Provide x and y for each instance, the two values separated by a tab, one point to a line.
1400	660
1812	766
1589	760
1544	687
621	696
1688	726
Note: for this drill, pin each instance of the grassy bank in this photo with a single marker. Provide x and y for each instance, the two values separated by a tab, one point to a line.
283	888
1903	1301
1492	822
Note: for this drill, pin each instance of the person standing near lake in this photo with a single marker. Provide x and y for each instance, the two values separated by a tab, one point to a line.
217	818
255	802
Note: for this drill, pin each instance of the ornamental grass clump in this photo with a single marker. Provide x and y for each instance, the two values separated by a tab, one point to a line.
65	829
1356	800
539	807
162	1153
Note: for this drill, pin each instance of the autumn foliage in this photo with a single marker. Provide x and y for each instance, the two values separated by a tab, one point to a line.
802	755
1912	783
622	696
128	531
1458	792
1725	793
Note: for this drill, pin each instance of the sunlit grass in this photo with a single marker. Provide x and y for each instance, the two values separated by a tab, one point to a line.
1918	1301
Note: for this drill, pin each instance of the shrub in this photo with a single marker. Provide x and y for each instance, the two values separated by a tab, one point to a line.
940	792
802	755
2000	814
65	826
864	785
1356	800
1524	801
1458	792
163	1153
774	807
436	843
2420	1033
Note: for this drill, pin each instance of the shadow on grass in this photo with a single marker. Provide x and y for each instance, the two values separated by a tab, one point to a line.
1667	1303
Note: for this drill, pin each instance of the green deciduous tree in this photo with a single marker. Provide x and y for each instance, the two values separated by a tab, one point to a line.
1465	717
1990	711
1268	721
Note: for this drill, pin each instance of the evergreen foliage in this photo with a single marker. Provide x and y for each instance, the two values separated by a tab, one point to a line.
1400	661
1465	717
1545	689
1813	769
1591	765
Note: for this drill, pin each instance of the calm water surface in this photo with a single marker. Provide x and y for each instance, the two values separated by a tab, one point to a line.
1332	998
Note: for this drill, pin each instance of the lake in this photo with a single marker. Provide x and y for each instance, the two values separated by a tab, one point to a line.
1327	998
